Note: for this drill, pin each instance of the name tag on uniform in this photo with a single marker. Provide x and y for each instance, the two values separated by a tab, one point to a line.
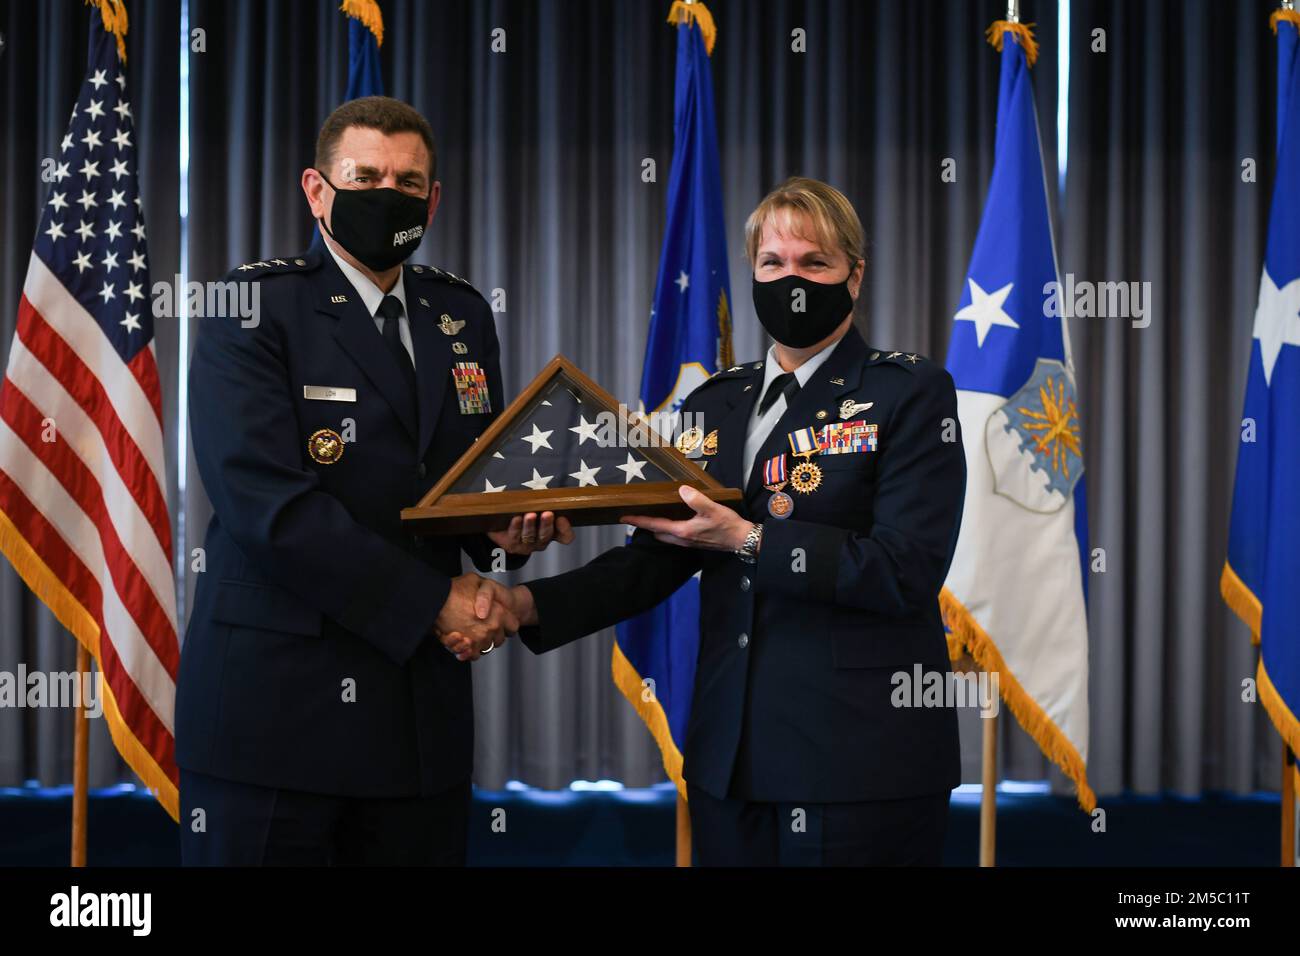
329	393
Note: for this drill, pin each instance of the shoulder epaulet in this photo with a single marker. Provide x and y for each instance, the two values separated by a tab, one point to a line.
259	268
908	360
442	275
736	371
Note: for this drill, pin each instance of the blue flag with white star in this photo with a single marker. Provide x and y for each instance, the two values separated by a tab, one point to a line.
1014	597
690	334
1263	566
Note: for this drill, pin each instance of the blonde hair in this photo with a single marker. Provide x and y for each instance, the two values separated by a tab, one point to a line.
800	204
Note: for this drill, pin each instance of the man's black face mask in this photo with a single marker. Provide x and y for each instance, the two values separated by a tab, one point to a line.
380	228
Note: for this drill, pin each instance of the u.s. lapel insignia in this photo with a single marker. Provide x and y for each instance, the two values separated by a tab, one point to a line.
450	326
849	408
711	443
338	299
460	348
424	302
325	446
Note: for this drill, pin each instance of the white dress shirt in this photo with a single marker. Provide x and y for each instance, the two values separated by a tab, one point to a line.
371	295
761	426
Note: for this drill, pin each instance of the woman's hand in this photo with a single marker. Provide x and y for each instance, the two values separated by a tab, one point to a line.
714	526
532	532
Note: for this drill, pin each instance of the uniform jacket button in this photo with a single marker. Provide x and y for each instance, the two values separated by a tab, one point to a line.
744	583
743	641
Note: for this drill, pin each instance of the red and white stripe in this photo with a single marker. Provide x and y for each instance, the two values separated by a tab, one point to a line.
92	502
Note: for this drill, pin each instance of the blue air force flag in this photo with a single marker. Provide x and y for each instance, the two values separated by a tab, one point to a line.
690	336
1263	566
1014	597
365	35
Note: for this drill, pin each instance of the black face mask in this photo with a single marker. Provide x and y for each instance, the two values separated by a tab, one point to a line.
379	227
798	321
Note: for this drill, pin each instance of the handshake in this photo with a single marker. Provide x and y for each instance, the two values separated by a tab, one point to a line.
480	614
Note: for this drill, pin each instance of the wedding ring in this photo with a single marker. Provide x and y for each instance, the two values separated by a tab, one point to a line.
491	648
528	538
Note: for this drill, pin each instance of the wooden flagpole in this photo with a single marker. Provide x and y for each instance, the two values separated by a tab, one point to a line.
80	759
989	797
1288	806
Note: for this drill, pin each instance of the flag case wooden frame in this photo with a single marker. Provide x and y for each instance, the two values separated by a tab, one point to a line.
441	511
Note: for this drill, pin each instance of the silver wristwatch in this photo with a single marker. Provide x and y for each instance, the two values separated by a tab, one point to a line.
748	552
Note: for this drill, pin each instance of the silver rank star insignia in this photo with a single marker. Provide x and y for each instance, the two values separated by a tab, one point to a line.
450	326
849	408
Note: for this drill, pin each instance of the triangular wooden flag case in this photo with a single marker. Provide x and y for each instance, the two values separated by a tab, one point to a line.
564	445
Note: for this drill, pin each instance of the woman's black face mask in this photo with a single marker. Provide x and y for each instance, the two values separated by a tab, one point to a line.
798	312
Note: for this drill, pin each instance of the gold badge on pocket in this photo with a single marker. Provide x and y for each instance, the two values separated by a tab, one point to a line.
325	446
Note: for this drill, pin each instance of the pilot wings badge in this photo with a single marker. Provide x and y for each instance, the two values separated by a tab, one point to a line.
1034	440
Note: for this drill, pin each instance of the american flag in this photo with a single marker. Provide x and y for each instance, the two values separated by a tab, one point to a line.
560	442
83	512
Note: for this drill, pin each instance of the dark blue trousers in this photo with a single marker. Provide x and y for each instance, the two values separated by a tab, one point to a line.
227	823
734	832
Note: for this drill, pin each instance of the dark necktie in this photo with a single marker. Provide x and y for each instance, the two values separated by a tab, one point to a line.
391	311
784	384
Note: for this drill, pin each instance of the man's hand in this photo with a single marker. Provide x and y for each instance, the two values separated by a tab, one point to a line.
533	532
517	601
714	527
476	618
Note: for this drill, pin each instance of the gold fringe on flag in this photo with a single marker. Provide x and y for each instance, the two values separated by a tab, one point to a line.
1290	16
1286	722
1241	601
651	713
45	584
1023	33
683	12
367	11
967	634
113	13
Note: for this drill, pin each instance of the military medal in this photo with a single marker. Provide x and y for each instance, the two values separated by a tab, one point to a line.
842	438
774	479
690	440
805	477
325	446
711	443
471	388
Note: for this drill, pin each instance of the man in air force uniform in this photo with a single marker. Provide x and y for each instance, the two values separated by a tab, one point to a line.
319	719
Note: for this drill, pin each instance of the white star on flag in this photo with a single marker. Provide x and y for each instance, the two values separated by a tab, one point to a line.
1277	320
586	476
584	430
682	281
538	482
538	439
488	487
985	310
633	469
